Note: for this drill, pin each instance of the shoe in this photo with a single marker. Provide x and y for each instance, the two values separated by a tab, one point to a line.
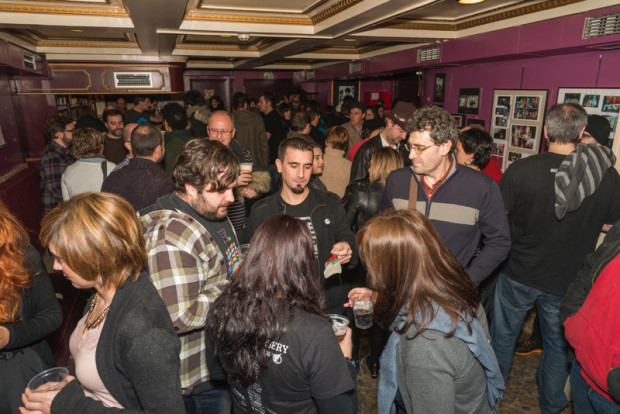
529	346
373	367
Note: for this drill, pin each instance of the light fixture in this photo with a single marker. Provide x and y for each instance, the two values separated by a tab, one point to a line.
469	1
243	36
77	30
350	40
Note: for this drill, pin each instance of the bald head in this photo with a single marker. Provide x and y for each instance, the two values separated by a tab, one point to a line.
221	127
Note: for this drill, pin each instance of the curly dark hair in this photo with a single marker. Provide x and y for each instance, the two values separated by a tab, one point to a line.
175	115
439	123
277	277
478	142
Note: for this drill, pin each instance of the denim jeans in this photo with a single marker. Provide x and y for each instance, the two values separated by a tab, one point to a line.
213	401
586	400
512	302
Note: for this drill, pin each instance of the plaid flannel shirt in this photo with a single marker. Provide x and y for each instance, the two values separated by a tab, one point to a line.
54	160
189	271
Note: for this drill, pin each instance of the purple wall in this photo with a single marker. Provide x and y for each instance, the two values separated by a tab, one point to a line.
11	152
553	72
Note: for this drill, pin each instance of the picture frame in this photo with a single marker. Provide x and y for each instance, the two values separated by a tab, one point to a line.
460	120
469	101
473	121
516	125
596	101
439	87
342	88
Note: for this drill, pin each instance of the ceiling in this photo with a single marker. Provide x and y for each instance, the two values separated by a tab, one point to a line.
281	34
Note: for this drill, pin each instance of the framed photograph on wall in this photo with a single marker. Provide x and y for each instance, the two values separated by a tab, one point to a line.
469	101
345	88
596	101
517	123
460	120
439	88
472	121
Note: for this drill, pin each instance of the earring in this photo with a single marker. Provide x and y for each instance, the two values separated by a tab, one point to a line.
99	280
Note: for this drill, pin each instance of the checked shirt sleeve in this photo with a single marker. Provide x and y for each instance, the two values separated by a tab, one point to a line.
186	267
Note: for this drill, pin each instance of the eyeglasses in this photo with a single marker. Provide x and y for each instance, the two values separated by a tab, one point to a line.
418	149
218	132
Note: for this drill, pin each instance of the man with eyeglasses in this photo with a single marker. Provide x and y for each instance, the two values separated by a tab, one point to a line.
221	127
464	205
55	159
391	136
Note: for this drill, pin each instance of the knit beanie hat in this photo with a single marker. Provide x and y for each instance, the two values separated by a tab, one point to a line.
599	127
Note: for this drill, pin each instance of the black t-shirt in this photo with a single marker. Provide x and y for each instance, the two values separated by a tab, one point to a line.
306	364
302	212
547	253
114	149
273	125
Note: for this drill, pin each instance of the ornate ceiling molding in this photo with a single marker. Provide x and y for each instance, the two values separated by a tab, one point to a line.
229	48
255	19
102	45
335	9
65	10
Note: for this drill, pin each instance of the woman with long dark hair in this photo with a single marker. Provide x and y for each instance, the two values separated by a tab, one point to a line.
29	311
125	349
438	358
268	329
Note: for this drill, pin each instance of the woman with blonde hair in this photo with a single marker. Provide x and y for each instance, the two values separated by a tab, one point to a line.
438	358
90	169
125	349
29	311
337	167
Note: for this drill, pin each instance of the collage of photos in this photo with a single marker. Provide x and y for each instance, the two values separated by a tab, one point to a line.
604	102
516	123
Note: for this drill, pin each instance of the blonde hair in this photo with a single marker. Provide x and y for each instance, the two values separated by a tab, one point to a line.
384	161
97	234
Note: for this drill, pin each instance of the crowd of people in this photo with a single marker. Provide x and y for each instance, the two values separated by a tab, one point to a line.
149	208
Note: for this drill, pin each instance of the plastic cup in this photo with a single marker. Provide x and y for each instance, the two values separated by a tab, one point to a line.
49	380
339	325
362	310
246	166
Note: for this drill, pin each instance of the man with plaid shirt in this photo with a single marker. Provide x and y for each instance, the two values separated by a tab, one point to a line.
54	159
192	249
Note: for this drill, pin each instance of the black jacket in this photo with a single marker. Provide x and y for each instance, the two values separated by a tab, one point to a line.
361	203
331	227
582	285
361	161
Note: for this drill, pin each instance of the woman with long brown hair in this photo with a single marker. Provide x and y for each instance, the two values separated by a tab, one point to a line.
438	358
29	311
269	330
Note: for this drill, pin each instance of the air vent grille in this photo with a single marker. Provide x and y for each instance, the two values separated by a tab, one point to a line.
132	80
602	25
428	55
29	61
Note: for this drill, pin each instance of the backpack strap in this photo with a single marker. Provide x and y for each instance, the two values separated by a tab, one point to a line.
104	168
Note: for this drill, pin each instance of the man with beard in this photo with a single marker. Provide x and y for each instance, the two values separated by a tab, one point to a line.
322	212
142	181
191	250
113	146
55	159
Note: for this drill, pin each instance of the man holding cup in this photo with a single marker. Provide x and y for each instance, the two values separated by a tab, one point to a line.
221	127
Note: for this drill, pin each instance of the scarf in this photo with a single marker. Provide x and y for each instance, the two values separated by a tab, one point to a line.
477	343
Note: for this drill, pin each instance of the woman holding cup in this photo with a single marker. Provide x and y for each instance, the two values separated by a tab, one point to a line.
438	357
125	349
278	349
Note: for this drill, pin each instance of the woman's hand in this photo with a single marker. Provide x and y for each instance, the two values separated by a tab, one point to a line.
40	402
360	294
347	344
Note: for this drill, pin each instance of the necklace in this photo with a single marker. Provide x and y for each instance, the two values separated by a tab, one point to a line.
92	324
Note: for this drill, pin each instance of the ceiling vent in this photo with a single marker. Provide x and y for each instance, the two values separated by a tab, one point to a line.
602	25
132	80
428	55
29	61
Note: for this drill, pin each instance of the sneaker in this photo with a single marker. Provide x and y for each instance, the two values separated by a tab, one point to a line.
529	346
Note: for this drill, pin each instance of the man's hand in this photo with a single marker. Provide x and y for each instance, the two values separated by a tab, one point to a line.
344	252
245	178
248	193
360	294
